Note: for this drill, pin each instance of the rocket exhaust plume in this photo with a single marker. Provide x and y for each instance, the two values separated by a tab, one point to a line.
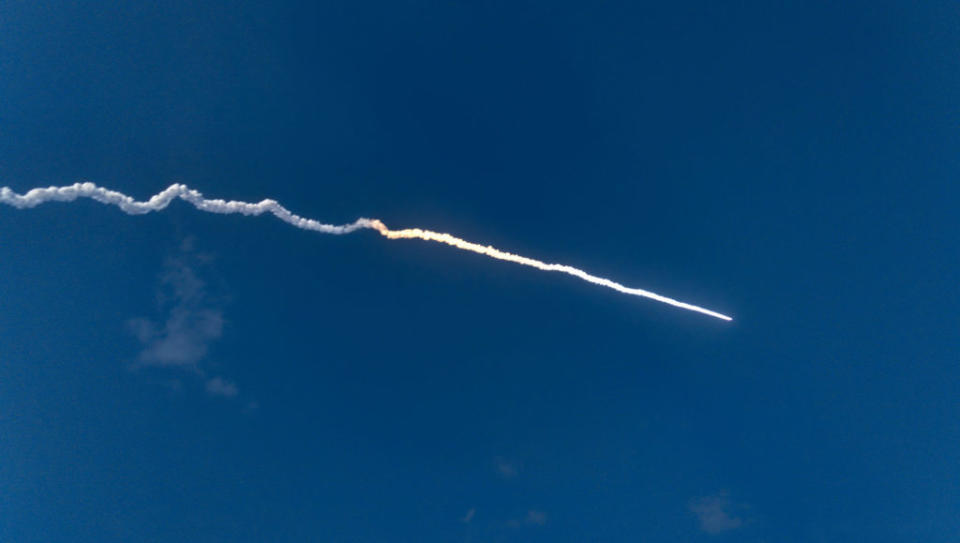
161	200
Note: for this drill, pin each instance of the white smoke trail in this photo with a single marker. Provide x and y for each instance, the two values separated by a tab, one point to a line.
69	193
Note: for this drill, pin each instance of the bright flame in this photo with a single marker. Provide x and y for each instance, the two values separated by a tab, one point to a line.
161	200
493	252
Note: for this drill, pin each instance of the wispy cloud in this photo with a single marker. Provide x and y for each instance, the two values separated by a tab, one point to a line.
469	516
219	386
190	320
536	518
532	518
506	468
715	513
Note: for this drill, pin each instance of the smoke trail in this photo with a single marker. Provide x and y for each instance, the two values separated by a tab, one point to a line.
159	201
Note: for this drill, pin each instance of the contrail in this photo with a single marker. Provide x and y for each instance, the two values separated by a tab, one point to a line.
159	201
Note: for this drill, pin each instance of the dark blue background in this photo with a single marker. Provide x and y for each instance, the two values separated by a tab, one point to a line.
791	164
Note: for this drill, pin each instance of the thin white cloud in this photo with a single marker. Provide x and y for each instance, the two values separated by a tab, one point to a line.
182	337
536	518
190	321
715	514
506	468
469	516
532	518
220	387
182	340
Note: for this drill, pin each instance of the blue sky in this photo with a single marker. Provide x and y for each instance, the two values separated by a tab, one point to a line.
182	376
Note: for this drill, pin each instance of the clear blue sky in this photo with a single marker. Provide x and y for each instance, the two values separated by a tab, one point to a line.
190	377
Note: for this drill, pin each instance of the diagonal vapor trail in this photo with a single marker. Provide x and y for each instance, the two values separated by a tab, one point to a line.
161	200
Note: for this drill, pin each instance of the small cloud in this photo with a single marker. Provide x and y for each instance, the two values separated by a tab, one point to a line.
183	340
536	518
221	388
532	518
507	468
469	516
190	323
714	513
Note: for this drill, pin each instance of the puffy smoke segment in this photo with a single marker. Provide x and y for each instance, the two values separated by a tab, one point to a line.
159	201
